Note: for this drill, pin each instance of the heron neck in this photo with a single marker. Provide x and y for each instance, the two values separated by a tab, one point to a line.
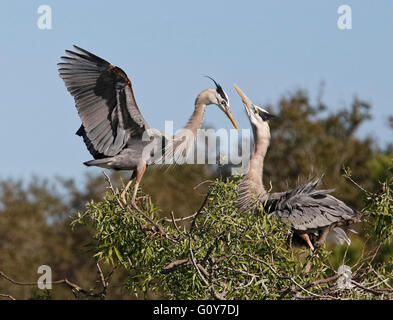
196	119
255	171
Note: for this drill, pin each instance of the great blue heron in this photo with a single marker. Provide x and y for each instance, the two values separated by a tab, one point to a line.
113	128
313	214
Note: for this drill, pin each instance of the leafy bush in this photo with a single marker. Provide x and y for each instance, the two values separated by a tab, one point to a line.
218	253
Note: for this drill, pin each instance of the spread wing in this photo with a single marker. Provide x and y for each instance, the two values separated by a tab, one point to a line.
105	102
306	208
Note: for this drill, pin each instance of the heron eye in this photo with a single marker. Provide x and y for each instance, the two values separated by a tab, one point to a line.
223	103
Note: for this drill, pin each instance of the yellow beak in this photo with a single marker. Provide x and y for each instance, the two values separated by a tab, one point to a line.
246	101
230	116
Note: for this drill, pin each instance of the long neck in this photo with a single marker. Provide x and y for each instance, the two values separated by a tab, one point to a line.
196	119
254	176
184	139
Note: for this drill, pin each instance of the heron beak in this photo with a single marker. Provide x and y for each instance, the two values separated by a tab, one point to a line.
228	112
246	101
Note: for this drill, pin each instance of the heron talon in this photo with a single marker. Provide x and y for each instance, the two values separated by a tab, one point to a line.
134	205
123	198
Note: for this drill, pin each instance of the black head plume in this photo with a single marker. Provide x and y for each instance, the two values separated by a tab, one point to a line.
219	89
266	115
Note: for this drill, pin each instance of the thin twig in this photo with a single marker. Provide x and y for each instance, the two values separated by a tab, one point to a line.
198	212
114	191
348	176
76	289
182	218
380	277
288	278
175	265
158	228
7	296
103	282
377	292
197	268
247	284
202	183
174	222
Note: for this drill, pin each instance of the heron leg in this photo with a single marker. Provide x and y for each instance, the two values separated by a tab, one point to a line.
139	175
306	238
322	238
124	192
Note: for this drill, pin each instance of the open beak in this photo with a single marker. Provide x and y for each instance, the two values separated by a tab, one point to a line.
247	102
250	107
230	116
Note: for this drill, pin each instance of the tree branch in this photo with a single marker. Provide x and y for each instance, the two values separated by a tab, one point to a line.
76	289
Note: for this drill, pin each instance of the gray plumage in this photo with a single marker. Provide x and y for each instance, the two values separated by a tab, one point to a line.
313	214
113	128
104	100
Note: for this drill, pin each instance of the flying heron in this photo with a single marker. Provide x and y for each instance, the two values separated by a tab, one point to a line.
113	128
314	215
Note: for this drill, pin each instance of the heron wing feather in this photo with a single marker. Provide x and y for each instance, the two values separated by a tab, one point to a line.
306	208
105	102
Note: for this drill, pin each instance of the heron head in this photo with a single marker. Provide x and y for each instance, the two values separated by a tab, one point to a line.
256	114
220	99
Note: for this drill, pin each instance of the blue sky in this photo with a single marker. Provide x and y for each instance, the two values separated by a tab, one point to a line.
268	48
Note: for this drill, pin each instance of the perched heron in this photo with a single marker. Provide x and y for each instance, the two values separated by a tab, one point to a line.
113	128
314	215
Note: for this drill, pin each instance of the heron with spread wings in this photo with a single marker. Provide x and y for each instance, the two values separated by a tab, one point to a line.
314	215
113	127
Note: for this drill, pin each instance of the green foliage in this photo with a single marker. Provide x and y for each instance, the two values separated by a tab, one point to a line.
381	205
44	295
223	254
380	168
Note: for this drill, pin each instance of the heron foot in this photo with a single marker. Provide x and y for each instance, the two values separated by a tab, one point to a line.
322	238
123	197
134	205
306	238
